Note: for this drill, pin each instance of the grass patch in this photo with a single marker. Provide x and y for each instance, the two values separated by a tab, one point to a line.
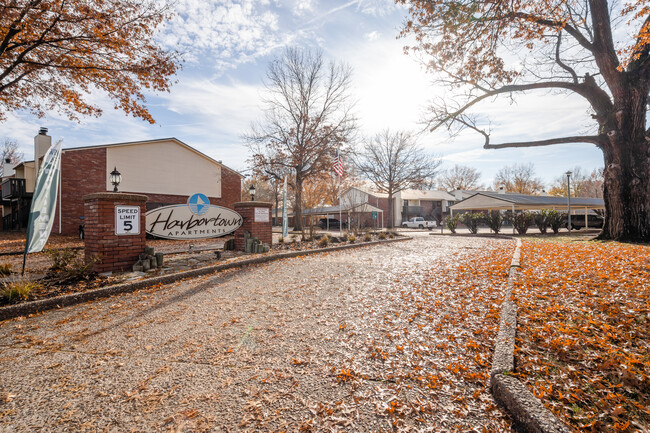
17	290
5	269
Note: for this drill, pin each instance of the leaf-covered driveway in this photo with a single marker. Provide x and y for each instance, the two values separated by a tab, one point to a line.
396	337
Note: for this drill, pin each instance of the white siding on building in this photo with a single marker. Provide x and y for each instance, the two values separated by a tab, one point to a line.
170	169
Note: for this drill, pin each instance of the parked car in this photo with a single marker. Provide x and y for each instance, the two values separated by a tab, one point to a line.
419	223
578	221
333	223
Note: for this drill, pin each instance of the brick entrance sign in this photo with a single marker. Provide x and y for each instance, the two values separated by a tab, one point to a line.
257	222
114	229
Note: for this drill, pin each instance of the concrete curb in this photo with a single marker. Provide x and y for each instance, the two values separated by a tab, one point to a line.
527	412
20	253
11	311
475	235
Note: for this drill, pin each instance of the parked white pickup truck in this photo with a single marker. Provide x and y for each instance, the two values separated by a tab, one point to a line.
419	223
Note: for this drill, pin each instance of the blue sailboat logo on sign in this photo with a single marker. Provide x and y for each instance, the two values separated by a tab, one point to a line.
199	204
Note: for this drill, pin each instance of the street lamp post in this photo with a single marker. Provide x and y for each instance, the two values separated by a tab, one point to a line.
116	178
251	190
568	198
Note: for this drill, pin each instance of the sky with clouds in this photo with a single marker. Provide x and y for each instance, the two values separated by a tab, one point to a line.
227	45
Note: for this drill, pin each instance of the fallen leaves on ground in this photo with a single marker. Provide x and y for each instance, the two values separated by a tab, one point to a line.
38	264
415	353
583	344
397	337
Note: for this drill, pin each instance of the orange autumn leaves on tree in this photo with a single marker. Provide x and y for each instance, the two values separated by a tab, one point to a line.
473	34
584	331
55	52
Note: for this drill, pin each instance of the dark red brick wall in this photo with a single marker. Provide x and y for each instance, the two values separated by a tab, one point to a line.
84	172
117	253
381	203
230	188
260	230
427	207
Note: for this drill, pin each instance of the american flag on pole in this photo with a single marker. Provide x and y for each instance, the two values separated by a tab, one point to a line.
337	165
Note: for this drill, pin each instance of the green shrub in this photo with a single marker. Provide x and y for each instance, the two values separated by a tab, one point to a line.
61	259
391	235
382	236
324	241
352	239
451	223
542	220
522	221
367	237
555	220
494	220
17	290
66	265
5	269
471	221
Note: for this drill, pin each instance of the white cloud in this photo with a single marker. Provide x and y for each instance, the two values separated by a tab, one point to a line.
223	33
372	36
302	7
377	7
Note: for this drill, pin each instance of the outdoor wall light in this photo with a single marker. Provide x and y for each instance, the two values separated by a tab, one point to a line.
116	178
251	190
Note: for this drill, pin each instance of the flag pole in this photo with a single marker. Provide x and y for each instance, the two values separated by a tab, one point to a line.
338	153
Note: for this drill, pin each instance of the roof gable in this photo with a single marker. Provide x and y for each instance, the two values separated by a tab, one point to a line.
159	140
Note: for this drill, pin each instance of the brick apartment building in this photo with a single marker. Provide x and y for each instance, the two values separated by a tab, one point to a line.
430	204
167	171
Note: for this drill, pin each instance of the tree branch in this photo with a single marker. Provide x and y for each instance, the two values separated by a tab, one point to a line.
604	50
593	139
561	63
588	92
641	56
582	40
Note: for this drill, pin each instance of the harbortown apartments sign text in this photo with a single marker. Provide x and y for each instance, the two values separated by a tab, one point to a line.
198	219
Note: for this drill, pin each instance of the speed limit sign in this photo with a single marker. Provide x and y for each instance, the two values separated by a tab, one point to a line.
127	220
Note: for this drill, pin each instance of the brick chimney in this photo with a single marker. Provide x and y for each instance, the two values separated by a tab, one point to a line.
42	142
7	168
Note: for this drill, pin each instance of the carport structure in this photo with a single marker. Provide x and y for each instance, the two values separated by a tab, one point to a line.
522	202
362	211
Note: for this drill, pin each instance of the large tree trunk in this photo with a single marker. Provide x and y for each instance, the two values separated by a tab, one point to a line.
627	193
626	188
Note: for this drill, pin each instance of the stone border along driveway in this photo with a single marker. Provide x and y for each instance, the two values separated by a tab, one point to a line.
11	311
528	413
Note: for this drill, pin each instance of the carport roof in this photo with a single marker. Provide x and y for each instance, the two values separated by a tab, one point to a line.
484	200
329	210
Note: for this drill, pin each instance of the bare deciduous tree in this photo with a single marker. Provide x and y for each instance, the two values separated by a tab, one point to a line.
460	177
518	178
582	184
393	161
307	116
9	150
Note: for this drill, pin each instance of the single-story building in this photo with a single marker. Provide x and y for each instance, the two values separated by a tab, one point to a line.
359	203
429	204
166	170
485	201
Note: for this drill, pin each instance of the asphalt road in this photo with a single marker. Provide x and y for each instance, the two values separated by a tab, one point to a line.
287	345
